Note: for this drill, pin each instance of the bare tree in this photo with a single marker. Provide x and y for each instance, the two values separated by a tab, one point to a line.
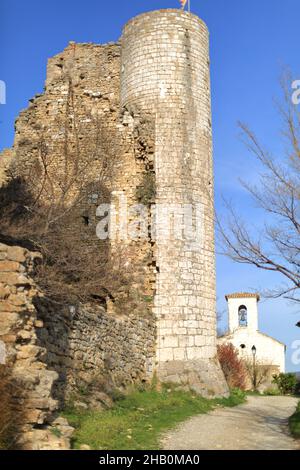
275	246
258	373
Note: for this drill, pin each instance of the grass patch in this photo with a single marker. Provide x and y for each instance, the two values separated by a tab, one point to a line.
294	423
137	421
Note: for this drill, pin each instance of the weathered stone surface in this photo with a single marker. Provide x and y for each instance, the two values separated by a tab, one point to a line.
174	86
18	299
16	253
18	320
93	346
8	320
5	162
158	126
29	351
4	293
6	306
9	266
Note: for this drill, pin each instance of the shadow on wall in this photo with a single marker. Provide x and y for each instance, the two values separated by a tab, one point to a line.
93	351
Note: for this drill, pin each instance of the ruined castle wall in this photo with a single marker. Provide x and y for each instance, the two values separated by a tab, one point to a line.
165	71
6	157
24	358
81	105
88	347
77	133
81	133
75	119
51	351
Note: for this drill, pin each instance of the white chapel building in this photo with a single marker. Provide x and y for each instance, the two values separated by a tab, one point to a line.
244	333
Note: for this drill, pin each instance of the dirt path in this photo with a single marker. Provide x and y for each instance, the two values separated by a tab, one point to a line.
259	424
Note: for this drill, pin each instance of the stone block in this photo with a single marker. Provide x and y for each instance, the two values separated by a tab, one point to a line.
8	320
18	299
200	340
4	292
29	351
6	338
6	306
179	354
16	253
14	279
170	341
26	335
165	354
194	353
9	266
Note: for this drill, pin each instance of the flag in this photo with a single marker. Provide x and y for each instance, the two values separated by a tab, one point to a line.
183	3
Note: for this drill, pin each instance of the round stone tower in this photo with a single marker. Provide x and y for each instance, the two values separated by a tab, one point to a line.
165	74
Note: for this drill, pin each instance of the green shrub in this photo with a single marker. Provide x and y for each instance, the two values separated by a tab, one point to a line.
237	397
285	382
272	391
294	423
238	394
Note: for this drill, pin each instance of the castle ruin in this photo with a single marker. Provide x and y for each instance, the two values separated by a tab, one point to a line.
150	97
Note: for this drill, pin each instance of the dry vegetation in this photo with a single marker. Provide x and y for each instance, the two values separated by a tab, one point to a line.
233	367
10	419
52	209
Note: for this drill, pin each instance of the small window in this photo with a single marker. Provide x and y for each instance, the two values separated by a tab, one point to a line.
243	316
243	346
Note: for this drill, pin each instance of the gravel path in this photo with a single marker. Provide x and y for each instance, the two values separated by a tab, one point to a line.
259	424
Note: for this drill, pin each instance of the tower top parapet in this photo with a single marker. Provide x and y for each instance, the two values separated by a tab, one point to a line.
168	12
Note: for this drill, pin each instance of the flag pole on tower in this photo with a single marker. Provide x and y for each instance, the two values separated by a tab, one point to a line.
184	2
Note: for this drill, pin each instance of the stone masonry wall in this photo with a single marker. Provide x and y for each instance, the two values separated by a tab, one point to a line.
87	346
165	71
23	355
79	118
52	353
159	126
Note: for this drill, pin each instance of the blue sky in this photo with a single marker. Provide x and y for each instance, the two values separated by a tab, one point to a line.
251	40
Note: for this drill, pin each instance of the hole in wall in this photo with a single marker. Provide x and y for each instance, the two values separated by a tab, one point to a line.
86	220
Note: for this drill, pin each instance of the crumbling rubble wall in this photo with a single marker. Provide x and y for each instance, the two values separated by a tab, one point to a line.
23	355
52	351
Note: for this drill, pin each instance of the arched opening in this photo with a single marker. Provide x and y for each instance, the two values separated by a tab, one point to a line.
243	321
